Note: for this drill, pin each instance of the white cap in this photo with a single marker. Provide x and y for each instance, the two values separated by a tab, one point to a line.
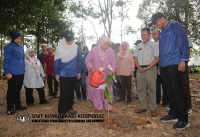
49	46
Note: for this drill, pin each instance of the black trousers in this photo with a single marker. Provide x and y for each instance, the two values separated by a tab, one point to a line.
13	92
125	82
186	87
158	92
29	95
172	83
50	80
66	99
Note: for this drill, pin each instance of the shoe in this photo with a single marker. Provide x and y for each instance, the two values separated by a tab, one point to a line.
112	111
72	111
129	101
140	110
153	113
78	100
12	112
30	105
55	94
164	104
97	111
189	112
120	100
180	125
46	102
61	117
86	100
21	108
168	109
169	118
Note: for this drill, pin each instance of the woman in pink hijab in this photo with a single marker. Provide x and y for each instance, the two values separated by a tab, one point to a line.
125	69
100	56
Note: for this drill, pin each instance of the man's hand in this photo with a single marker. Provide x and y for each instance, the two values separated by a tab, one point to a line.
78	76
8	76
158	71
58	78
142	70
181	66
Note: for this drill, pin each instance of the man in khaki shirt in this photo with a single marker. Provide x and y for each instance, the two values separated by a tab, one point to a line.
146	56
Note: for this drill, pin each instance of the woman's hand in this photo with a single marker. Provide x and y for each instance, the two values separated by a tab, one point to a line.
78	76
8	76
132	73
58	78
93	69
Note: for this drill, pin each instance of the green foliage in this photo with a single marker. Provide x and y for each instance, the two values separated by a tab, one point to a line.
109	80
184	11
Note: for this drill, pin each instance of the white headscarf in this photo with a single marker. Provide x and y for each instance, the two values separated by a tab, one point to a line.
123	55
65	52
32	60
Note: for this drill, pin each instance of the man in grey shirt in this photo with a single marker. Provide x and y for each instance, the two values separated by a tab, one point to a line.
146	56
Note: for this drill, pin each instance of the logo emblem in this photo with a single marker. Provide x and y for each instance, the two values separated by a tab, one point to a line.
22	118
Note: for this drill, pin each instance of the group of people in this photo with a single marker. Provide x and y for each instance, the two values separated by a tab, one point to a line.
163	60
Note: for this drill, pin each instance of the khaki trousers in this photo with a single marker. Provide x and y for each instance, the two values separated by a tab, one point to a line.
147	80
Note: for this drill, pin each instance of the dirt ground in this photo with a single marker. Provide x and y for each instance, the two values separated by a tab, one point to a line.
126	123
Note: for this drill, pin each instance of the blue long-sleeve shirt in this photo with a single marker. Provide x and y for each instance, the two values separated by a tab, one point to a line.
173	45
14	59
69	69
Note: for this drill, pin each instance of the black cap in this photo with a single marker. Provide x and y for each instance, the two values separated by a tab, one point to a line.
117	44
137	42
155	17
68	35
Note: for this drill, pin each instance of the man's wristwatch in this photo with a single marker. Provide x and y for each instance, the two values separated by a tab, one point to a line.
148	67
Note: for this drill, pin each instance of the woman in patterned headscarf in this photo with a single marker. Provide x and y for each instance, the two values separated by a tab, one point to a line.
33	79
100	56
125	69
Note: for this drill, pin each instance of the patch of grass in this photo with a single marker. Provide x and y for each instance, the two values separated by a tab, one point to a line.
194	76
4	128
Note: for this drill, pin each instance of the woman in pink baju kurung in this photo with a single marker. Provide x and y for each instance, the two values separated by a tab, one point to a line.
100	56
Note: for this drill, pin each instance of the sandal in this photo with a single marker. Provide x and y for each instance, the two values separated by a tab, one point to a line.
112	111
97	111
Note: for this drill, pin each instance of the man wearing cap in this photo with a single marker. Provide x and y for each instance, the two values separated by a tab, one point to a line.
14	68
146	56
173	45
49	71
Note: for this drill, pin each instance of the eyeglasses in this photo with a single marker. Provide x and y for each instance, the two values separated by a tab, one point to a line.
157	21
32	52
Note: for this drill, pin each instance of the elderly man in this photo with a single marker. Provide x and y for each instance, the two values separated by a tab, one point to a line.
173	45
146	57
165	101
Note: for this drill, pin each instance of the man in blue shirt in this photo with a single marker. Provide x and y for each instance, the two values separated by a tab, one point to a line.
14	69
173	45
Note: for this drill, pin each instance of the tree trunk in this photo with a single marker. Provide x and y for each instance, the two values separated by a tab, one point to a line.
38	38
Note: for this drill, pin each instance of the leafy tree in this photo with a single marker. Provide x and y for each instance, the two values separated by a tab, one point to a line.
184	11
